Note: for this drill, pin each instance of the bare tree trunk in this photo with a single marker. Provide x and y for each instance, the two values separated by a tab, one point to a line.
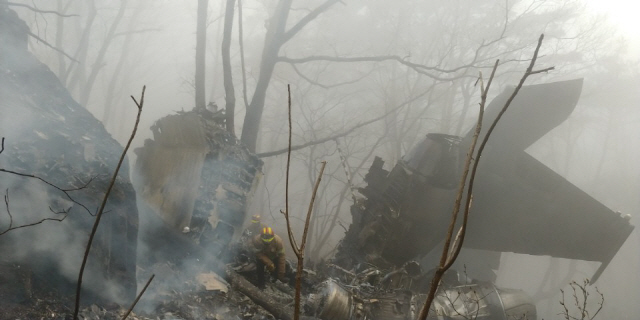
230	97
98	63
108	109
81	52
274	39
62	65
272	43
242	63
201	44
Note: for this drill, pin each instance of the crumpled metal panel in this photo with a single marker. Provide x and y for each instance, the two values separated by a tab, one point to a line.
520	205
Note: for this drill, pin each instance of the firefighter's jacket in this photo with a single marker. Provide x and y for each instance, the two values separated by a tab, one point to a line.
271	253
255	228
249	233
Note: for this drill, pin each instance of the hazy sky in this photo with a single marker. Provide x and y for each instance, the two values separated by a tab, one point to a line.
623	13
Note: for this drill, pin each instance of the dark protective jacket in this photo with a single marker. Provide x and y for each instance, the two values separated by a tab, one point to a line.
255	228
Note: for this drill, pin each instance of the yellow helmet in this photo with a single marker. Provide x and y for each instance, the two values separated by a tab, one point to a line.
255	218
267	235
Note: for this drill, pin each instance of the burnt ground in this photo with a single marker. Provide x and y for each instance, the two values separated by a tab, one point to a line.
23	297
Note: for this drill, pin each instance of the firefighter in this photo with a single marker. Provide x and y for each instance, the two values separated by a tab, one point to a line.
269	255
256	226
244	249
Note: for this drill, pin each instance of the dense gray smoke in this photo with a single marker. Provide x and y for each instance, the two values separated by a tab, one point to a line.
367	79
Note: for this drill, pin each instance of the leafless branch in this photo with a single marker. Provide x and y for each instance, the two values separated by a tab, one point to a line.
419	68
442	267
229	90
11	227
447	260
104	203
580	302
542	71
344	133
292	239
334	220
327	86
242	62
119	34
306	19
298	250
39	10
51	46
6	204
65	191
138	297
486	139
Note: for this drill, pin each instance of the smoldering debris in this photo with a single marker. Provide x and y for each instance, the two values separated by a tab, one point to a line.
197	178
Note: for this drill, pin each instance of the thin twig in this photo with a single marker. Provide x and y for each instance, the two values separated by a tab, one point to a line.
6	204
11	227
442	267
138	297
346	132
39	10
299	251
292	239
65	191
447	260
601	304
488	135
242	62
313	198
104	203
119	34
52	46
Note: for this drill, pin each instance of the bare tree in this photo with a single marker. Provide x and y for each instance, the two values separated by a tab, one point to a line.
230	98
277	35
298	250
450	252
580	301
201	44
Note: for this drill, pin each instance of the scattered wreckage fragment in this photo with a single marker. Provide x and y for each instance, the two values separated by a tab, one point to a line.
394	297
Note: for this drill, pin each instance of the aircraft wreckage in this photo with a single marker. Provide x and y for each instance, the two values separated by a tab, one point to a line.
523	205
401	218
520	206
